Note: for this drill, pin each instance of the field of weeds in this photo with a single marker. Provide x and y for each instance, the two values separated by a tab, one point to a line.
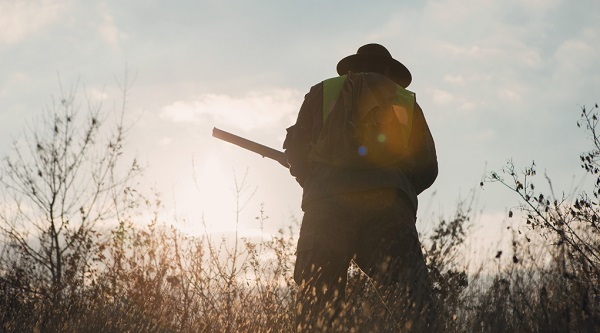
61	270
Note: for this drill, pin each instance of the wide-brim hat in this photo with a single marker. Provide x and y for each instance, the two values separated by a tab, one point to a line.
371	55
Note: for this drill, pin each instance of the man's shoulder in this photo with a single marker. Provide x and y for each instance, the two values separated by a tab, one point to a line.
316	89
319	85
335	78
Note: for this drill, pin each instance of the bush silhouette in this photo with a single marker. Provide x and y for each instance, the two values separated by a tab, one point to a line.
77	258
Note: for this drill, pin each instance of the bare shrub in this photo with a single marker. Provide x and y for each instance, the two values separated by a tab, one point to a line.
558	291
58	185
61	272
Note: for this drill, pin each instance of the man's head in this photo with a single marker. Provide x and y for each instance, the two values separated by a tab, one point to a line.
375	58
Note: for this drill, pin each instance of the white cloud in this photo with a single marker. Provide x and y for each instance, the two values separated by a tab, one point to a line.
454	79
467	106
97	95
509	95
486	135
470	52
442	97
575	62
451	101
17	79
249	112
166	141
108	30
538	5
473	78
531	57
575	54
22	18
455	11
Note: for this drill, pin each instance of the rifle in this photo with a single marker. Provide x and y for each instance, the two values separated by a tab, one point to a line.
262	150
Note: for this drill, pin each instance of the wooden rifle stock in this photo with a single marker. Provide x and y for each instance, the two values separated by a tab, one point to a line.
262	150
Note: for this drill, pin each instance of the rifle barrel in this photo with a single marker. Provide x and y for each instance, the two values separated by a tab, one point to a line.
258	148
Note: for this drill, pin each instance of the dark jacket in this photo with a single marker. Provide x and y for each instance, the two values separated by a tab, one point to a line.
319	180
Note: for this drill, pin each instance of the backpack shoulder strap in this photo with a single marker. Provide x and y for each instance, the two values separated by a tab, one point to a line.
404	106
331	91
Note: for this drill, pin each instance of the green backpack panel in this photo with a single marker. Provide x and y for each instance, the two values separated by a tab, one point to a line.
367	122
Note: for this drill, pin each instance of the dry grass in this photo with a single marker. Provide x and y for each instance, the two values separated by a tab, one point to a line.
156	279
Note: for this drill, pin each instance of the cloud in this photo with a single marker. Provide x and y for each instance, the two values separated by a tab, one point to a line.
538	5
473	78
454	79
97	95
108	30
575	61
442	97
250	112
469	52
22	18
451	101
509	95
575	55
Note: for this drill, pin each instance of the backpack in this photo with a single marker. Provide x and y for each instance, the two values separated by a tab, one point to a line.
367	122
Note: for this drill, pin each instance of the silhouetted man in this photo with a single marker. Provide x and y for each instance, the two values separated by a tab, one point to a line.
362	151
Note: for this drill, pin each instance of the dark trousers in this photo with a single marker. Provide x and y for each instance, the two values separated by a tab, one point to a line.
376	229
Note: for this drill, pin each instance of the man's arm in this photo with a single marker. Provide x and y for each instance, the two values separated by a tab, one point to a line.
301	136
423	153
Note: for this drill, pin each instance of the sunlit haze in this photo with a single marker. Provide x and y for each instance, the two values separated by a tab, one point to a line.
496	80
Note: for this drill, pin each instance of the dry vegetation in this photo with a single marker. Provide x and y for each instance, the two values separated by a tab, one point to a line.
59	272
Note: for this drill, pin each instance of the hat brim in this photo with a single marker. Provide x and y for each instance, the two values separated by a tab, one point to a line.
363	62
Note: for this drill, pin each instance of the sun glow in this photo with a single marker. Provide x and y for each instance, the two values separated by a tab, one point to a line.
208	199
207	203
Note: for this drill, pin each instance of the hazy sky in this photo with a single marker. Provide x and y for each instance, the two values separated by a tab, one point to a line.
496	80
